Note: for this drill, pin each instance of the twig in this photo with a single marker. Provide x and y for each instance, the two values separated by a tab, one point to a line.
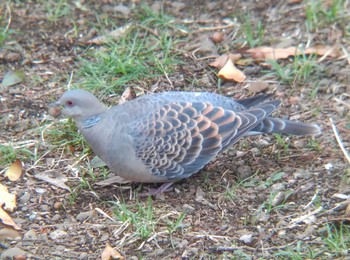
230	248
215	28
312	200
70	79
233	248
342	102
104	214
207	57
340	143
326	54
10	18
165	73
346	54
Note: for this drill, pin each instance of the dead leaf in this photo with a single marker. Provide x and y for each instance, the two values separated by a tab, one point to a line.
12	78
270	53
256	87
230	72
14	171
202	45
293	100
112	180
235	57
109	253
7	220
54	178
244	62
8	233
264	52
124	10
115	35
87	215
7	199
220	61
324	50
128	94
347	211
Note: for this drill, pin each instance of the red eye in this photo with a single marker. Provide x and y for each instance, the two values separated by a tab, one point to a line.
69	103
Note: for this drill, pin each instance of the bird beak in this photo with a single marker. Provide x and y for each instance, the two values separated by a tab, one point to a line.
55	109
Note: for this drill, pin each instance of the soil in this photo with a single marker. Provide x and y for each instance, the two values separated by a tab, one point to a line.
289	192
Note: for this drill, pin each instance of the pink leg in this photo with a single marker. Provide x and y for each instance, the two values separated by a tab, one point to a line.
162	188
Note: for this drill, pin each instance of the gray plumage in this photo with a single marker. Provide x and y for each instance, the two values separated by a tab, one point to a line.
169	136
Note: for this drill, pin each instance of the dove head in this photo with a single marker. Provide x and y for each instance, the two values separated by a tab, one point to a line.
79	104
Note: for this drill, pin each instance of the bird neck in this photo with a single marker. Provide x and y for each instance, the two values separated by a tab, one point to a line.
90	121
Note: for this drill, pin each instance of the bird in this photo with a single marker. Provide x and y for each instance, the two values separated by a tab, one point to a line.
168	136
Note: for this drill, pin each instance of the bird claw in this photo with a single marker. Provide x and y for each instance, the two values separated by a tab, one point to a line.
162	188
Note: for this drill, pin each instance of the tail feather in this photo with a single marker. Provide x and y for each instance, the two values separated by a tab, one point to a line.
254	101
283	126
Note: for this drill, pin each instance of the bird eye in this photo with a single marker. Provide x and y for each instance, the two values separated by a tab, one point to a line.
69	103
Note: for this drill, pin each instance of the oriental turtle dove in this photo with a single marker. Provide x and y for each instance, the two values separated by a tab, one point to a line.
169	136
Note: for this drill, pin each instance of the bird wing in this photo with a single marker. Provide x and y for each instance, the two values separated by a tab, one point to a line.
179	138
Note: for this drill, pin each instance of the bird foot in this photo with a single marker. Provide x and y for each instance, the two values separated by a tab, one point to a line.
152	192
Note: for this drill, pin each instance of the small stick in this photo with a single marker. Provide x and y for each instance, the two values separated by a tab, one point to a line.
340	143
346	54
342	102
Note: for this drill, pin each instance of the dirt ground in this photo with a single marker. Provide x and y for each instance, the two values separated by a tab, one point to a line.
224	217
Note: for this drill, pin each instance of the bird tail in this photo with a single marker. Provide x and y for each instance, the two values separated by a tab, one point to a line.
254	100
283	126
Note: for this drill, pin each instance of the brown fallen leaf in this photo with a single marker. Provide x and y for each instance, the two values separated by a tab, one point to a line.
256	87
54	178
112	180
109	253
115	34
235	57
12	78
7	220
202	45
8	233
128	94
244	62
220	61
264	52
270	53
230	72
14	171
347	211
324	50
7	199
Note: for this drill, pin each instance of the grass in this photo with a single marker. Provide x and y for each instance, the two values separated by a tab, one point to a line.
5	19
303	70
320	14
314	145
8	154
335	242
251	32
146	51
56	9
65	134
282	142
142	219
253	35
